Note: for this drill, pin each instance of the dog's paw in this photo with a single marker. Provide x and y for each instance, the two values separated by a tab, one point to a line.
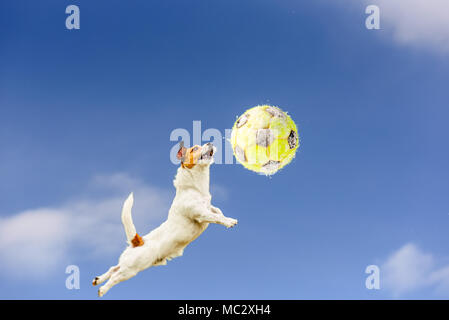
101	292
229	222
95	281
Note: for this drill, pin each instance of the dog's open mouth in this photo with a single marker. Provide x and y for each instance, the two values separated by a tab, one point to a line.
207	155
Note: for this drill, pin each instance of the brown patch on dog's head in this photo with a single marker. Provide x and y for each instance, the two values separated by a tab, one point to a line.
201	155
191	157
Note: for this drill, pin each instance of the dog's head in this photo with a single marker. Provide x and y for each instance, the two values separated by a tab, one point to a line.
196	155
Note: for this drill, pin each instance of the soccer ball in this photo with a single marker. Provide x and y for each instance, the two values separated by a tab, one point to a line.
264	139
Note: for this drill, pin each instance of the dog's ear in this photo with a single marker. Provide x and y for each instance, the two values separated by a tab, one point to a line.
181	152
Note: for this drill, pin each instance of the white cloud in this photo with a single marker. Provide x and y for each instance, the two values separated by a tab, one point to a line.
423	23
34	242
34	238
409	269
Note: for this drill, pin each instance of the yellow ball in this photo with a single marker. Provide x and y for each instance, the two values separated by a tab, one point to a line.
264	139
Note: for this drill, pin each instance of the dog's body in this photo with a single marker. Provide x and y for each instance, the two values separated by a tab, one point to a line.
190	214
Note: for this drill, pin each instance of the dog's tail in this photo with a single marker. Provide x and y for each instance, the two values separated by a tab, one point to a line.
131	234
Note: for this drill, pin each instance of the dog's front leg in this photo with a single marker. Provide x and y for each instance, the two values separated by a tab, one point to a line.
202	214
216	210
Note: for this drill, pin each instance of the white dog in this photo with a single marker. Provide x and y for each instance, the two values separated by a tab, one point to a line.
189	215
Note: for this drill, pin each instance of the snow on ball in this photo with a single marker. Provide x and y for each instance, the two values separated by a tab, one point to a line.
264	139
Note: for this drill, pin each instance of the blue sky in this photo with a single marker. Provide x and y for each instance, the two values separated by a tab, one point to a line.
86	116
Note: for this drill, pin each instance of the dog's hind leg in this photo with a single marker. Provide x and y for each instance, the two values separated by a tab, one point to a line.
105	276
116	277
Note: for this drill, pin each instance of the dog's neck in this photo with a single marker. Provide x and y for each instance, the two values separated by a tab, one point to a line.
197	178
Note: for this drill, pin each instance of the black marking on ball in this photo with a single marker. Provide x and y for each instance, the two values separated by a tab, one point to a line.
271	166
264	137
242	120
240	154
275	112
292	139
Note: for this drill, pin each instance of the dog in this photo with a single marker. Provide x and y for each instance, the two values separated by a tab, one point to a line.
190	214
